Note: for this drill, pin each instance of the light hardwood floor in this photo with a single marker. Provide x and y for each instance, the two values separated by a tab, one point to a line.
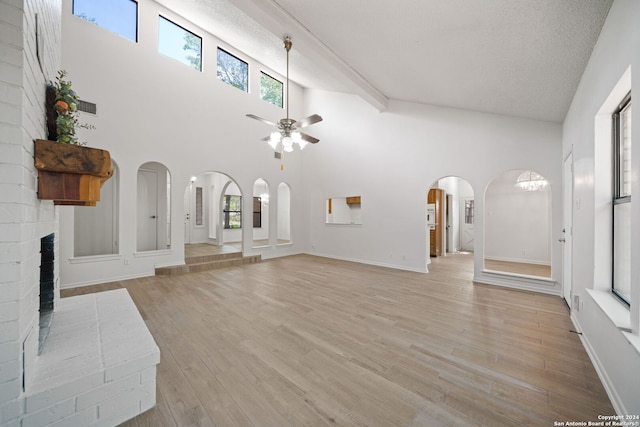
309	341
518	268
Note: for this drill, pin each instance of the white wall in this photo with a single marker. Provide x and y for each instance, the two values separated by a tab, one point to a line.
618	362
517	222
392	158
153	108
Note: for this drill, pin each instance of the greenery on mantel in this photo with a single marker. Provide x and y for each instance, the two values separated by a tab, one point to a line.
66	107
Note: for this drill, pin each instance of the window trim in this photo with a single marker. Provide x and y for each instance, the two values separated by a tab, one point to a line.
227	212
137	29
239	59
617	199
281	89
257	204
160	16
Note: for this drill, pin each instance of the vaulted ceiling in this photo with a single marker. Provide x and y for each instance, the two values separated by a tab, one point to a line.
520	58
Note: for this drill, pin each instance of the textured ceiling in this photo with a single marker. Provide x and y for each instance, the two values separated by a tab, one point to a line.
515	57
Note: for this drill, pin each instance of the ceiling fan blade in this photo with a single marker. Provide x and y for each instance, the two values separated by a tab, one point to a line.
314	118
309	138
253	116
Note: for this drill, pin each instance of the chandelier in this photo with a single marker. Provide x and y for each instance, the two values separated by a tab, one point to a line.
531	181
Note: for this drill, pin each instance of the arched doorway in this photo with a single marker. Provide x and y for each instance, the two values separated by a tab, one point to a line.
517	224
153	207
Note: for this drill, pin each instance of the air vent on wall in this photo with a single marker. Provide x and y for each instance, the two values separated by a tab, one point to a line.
87	107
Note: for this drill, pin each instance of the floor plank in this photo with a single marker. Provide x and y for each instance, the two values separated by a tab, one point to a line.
312	341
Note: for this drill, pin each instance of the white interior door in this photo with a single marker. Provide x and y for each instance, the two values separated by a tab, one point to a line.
567	223
187	213
467	220
147	210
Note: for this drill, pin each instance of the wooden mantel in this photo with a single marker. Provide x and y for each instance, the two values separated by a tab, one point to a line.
71	174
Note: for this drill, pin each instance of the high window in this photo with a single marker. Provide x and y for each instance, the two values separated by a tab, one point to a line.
118	16
468	211
621	283
270	89
180	44
232	211
233	70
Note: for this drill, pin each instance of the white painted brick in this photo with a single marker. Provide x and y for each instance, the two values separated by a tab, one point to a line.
11	273
12	174
149	400
9	113
9	370
11	34
9	94
71	389
49	415
10	135
10	390
120	409
8	312
10	13
148	375
12	232
9	292
10	410
10	153
107	391
131	367
79	419
9	331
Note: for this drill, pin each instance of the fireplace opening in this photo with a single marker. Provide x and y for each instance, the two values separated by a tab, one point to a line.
47	281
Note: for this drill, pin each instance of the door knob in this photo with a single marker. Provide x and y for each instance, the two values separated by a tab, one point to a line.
152	216
562	240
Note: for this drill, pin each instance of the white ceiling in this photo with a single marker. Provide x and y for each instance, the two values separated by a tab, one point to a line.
516	57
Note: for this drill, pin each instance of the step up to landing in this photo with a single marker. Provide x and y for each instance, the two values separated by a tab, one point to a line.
207	262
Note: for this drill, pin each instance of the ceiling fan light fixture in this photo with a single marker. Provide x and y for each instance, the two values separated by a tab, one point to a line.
274	139
287	144
288	132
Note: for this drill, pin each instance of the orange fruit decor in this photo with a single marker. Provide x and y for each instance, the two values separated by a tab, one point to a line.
61	107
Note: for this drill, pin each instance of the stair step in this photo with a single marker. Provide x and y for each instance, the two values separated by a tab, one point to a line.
198	259
175	270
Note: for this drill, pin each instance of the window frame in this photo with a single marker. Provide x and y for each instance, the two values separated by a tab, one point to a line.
618	195
246	82
257	212
137	22
199	68
228	212
469	212
265	74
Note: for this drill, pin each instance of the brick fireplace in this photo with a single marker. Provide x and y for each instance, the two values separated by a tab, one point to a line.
97	365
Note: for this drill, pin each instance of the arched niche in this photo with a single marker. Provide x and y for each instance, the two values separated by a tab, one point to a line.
96	227
517	224
213	210
153	218
260	213
450	217
284	213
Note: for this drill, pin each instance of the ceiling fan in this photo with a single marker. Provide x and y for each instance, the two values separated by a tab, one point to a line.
288	133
